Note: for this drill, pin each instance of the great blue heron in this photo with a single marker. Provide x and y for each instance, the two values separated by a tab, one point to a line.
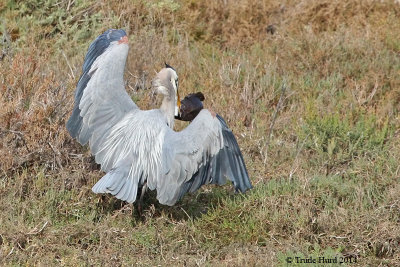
139	148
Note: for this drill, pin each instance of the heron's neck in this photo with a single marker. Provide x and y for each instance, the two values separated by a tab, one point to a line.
168	109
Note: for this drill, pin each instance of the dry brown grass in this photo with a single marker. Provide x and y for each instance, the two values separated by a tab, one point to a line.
330	184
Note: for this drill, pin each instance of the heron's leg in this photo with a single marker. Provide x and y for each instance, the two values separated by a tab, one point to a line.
140	202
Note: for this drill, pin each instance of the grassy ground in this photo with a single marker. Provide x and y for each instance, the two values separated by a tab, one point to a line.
326	178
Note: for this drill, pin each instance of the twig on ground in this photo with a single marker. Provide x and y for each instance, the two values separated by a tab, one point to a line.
11	251
35	232
190	218
69	65
57	155
271	126
295	161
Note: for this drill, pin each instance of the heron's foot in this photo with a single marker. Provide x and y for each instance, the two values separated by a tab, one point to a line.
140	209
140	201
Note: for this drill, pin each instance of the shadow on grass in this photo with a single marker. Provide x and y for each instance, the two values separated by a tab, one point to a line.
191	207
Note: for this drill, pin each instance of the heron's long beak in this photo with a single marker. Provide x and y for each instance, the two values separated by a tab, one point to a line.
178	105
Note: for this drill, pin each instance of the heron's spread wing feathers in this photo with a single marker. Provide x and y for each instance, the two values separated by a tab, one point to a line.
119	183
100	99
205	152
131	154
104	115
74	124
135	146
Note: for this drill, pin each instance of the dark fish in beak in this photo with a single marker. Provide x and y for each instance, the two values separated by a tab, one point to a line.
190	106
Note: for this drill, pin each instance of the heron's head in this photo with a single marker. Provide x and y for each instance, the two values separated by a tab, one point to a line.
166	83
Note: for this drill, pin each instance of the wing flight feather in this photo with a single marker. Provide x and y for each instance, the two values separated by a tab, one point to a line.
100	97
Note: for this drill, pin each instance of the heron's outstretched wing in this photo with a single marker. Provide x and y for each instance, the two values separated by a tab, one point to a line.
100	98
204	152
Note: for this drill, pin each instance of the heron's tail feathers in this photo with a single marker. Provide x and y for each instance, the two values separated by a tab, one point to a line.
118	183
